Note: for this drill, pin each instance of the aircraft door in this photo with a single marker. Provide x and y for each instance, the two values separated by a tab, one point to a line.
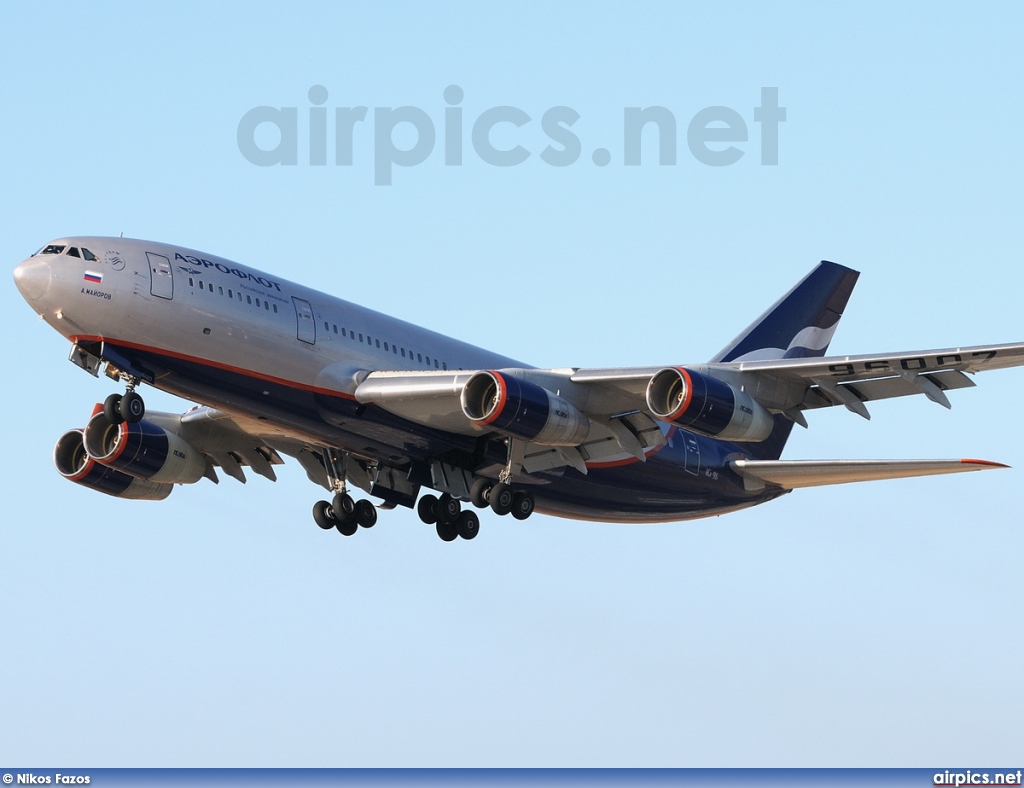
161	281
306	322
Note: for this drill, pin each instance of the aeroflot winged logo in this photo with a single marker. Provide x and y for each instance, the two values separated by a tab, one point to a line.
224	269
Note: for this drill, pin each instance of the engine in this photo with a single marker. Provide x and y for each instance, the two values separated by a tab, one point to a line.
706	405
74	464
143	450
522	409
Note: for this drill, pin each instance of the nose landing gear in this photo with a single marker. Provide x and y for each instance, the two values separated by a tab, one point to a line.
130	407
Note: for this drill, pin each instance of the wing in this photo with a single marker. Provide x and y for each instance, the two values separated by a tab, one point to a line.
226	443
791	474
790	386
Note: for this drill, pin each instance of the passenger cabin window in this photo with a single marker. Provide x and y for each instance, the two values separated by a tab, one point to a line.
53	249
73	252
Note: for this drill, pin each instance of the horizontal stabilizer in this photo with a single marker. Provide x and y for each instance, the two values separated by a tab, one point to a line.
791	474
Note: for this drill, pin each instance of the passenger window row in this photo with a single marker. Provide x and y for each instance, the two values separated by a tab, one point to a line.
388	347
232	294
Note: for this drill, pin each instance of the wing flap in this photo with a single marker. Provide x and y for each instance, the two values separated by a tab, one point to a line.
792	474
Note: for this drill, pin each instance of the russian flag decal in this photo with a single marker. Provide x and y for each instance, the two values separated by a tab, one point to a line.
92	276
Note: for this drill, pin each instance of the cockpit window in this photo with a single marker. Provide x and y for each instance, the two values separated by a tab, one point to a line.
53	249
73	252
89	255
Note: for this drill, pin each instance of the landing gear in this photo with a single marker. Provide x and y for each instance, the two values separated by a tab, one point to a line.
365	514
522	505
467	524
342	512
343	507
501	498
478	493
448	518
130	407
427	509
323	516
112	409
447	531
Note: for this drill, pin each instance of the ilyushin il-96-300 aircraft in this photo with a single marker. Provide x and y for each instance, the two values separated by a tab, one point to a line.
367	402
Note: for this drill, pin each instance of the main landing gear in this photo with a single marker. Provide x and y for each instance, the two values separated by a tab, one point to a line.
345	514
446	514
342	511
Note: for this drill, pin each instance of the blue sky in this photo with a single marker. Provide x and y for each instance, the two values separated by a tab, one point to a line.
860	625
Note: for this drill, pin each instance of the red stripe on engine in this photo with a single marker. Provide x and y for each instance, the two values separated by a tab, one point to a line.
502	399
686	399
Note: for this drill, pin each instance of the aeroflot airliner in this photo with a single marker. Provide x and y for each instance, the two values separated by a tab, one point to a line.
362	400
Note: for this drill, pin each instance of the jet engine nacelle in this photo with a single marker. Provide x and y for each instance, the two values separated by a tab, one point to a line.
521	409
706	405
143	450
74	464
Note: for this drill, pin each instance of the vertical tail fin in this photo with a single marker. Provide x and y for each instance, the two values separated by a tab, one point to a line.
798	325
801	323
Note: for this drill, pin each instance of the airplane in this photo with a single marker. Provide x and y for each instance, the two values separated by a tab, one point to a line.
365	401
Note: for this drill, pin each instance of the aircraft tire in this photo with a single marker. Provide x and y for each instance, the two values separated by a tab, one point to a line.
112	409
522	505
343	507
448	508
478	493
365	514
447	531
347	528
468	524
132	408
427	509
322	515
501	498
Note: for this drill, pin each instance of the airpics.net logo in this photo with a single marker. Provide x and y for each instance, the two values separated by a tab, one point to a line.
715	136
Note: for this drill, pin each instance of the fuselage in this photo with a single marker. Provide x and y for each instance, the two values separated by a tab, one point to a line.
260	347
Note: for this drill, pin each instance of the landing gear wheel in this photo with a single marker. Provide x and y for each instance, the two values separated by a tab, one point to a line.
478	493
468	524
366	514
346	528
522	505
132	408
447	531
322	515
112	409
343	508
427	509
448	508
501	498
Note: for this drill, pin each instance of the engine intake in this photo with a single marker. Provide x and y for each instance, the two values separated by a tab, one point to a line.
74	464
143	450
706	405
522	409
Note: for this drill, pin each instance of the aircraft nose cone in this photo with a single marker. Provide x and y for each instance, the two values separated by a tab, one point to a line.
33	279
